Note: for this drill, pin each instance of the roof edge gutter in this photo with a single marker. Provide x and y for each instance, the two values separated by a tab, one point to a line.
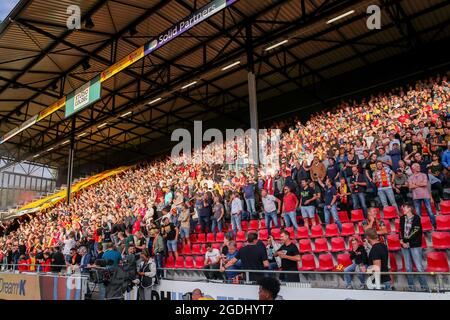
13	14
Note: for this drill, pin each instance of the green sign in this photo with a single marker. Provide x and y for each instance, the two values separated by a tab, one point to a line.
83	97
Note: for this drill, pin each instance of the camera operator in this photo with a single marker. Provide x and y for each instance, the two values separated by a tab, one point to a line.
146	272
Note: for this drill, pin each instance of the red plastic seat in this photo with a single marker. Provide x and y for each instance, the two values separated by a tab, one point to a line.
240	236
201	238
198	228
360	228
193	238
195	249
331	230
189	262
305	245
317	231
337	244
262	224
326	262
187	250
393	262
263	234
344	259
390	212
343	216
424	242
387	223
426	224
180	262
276	233
291	232
216	246
442	223
199	262
170	262
445	207
220	236
210	237
203	249
308	263
357	215
397	225
437	262
254	225
244	225
441	240
433	208
393	242
321	245
348	229
302	233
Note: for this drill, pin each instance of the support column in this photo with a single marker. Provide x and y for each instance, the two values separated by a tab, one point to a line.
70	162
253	99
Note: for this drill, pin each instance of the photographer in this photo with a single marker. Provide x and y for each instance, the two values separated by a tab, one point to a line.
146	272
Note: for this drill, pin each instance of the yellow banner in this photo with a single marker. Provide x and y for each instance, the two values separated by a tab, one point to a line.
53	108
122	64
19	287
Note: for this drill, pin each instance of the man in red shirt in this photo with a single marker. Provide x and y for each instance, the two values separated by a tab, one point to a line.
289	208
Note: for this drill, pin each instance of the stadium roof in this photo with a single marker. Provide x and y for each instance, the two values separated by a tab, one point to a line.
41	60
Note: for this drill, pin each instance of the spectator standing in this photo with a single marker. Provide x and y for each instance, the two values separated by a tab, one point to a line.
270	209
330	207
384	178
378	256
252	258
146	271
290	256
358	186
58	260
410	234
289	208
418	184
170	233
218	215
236	211
249	196
185	224
308	199
401	186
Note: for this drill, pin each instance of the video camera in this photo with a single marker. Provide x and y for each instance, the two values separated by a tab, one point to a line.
100	273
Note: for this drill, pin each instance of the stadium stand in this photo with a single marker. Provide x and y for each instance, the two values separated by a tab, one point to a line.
401	136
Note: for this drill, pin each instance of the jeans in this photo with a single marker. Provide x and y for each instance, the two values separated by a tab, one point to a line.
204	222
385	194
236	222
159	264
418	207
271	216
359	201
410	255
291	218
334	212
250	203
217	224
348	277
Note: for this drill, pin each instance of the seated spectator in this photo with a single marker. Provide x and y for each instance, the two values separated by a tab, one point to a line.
410	234
373	223
358	255
344	196
418	184
232	253
272	247
212	261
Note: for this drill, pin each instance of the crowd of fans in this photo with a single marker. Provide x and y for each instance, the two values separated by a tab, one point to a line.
387	150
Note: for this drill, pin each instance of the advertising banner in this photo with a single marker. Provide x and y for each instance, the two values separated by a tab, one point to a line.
184	25
122	64
19	287
83	97
53	108
174	290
